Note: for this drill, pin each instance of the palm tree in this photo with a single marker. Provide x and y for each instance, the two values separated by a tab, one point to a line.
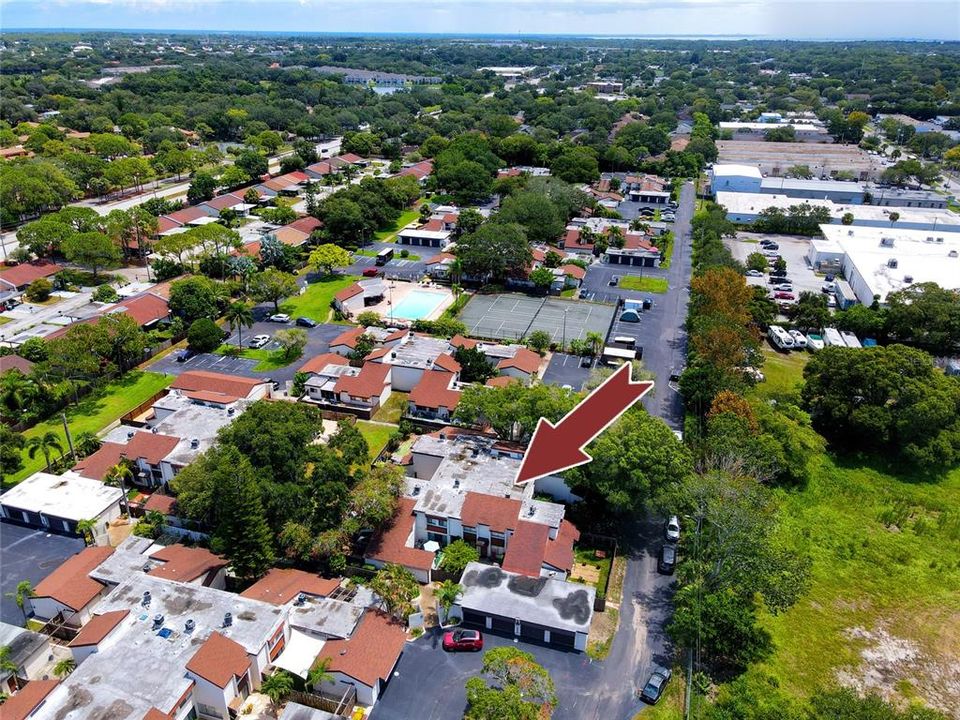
456	270
595	340
64	667
44	444
86	528
9	666
86	443
447	595
320	673
116	475
456	290
277	687
24	590
239	315
16	390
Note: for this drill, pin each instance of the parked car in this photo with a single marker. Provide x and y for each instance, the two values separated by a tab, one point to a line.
777	279
783	287
770	253
769	245
371	272
673	529
656	683
831	301
814	342
827	287
280	318
306	322
586	361
784	295
829	277
185	355
754	273
584	294
799	339
461	639
259	341
614	281
667	562
778	273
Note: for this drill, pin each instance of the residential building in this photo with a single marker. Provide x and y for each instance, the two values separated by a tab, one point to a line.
14	280
29	657
436	232
338	384
435	397
515	361
68	594
57	503
352	300
411	357
25	703
646	189
462	485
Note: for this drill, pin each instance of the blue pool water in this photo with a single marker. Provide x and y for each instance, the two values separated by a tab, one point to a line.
417	305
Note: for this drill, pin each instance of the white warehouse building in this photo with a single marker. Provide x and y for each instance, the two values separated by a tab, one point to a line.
879	261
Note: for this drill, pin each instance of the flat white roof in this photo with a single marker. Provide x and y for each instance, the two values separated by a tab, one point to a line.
799	127
68	496
426	234
736	170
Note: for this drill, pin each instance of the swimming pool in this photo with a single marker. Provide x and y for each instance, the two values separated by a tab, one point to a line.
418	304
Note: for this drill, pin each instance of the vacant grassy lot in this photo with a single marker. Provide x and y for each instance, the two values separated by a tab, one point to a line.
406	217
315	302
376	435
883	610
644	284
95	412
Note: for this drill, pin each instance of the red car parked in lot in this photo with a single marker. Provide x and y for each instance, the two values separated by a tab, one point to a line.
463	640
371	272
784	296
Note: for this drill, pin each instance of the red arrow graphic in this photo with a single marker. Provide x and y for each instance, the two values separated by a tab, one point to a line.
554	448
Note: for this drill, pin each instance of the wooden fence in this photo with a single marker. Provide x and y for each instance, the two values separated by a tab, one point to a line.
337	705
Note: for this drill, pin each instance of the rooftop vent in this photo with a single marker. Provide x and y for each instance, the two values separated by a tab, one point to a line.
456	483
892	263
195	443
146	598
130	434
940	240
908	279
443	436
531	511
886	242
929	238
416	490
952	253
189	626
301	599
146	595
227	619
158	619
393	355
231	411
153	430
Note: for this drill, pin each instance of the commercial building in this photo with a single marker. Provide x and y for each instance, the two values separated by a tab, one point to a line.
878	261
745	208
808	131
823	159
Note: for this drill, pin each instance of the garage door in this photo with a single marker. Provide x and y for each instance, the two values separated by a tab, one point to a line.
529	631
503	625
562	639
471	617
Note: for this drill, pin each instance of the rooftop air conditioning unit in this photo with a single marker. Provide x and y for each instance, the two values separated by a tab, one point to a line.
157	620
952	253
227	619
130	434
886	242
892	263
146	598
231	411
301	599
189	626
195	443
940	240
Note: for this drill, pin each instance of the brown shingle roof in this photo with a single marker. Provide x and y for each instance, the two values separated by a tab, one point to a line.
70	583
497	513
208	396
280	586
390	544
526	360
526	548
144	308
150	447
98	628
26	273
319	362
559	552
163	504
98	464
501	381
371	653
348	292
185	563
447	362
367	384
15	362
433	391
464	342
215	382
219	660
574	271
306	224
21	705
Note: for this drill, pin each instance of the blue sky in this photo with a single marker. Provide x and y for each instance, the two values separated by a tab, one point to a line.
800	19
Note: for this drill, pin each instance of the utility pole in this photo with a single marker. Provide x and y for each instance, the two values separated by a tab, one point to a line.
66	430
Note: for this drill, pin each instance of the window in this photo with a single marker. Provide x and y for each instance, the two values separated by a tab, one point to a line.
470	535
497	539
436	524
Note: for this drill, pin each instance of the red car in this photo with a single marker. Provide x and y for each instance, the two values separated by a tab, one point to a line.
371	272
784	296
463	640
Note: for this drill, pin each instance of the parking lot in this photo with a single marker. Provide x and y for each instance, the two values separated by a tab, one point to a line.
597	281
512	316
399	268
792	249
28	554
564	369
318	341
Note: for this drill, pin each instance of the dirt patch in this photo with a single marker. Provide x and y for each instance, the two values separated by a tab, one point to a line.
584	573
900	670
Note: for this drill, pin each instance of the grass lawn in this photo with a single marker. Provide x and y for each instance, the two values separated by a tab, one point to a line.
885	574
315	302
667	251
393	409
267	360
587	556
644	284
95	412
4	321
375	435
406	217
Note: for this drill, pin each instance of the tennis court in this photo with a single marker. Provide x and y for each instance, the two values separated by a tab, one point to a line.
514	317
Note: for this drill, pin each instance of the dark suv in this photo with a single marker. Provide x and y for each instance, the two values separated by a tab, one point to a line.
667	562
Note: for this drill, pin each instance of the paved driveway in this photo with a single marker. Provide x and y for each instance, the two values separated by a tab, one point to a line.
564	369
28	554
